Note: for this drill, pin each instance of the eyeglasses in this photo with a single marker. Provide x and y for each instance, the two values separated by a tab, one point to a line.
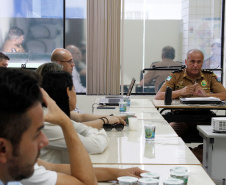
69	61
109	127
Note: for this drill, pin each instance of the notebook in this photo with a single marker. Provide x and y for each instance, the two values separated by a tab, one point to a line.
201	100
114	100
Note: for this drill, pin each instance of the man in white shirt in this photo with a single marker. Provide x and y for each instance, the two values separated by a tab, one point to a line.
21	137
64	58
95	141
80	66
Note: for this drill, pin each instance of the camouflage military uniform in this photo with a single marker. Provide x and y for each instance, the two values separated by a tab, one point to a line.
206	79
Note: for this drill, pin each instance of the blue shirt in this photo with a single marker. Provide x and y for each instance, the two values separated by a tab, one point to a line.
11	183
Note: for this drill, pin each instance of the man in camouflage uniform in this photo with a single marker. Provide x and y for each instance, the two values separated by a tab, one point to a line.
191	82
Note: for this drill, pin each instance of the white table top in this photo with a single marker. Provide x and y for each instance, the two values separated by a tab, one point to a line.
145	103
207	131
130	147
176	104
197	175
162	129
140	113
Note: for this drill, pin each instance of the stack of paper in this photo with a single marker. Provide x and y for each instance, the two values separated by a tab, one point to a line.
201	100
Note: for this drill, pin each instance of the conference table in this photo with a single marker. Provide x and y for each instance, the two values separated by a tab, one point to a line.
176	104
141	113
197	176
129	148
199	113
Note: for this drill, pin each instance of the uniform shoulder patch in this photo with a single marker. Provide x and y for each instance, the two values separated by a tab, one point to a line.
207	71
177	71
215	76
168	78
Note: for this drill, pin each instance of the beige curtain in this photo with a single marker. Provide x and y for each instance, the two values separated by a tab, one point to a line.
103	46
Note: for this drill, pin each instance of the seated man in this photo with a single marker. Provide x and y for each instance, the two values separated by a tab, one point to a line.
192	81
64	58
189	82
59	86
87	119
168	54
79	64
4	60
21	137
14	40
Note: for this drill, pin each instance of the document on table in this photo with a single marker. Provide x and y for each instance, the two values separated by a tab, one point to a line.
201	100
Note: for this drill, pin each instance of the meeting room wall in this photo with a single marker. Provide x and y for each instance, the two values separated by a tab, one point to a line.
158	33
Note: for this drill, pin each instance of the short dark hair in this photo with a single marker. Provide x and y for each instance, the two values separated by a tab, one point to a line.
55	83
3	56
19	91
168	52
15	32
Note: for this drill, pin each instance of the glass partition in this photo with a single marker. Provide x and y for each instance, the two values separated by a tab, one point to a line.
75	35
30	30
150	26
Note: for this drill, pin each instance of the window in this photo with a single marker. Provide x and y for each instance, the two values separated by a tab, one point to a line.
30	30
75	35
150	25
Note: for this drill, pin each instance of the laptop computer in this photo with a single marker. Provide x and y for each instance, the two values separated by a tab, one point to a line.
200	100
114	100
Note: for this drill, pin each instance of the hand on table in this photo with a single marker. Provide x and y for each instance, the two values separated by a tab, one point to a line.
115	119
134	172
122	119
198	91
187	90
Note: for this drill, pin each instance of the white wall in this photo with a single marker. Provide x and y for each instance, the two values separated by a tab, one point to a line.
158	33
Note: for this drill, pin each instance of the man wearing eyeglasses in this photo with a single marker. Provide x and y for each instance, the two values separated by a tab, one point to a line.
64	58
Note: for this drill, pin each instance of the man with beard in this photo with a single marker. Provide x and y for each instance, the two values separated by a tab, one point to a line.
21	122
21	136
